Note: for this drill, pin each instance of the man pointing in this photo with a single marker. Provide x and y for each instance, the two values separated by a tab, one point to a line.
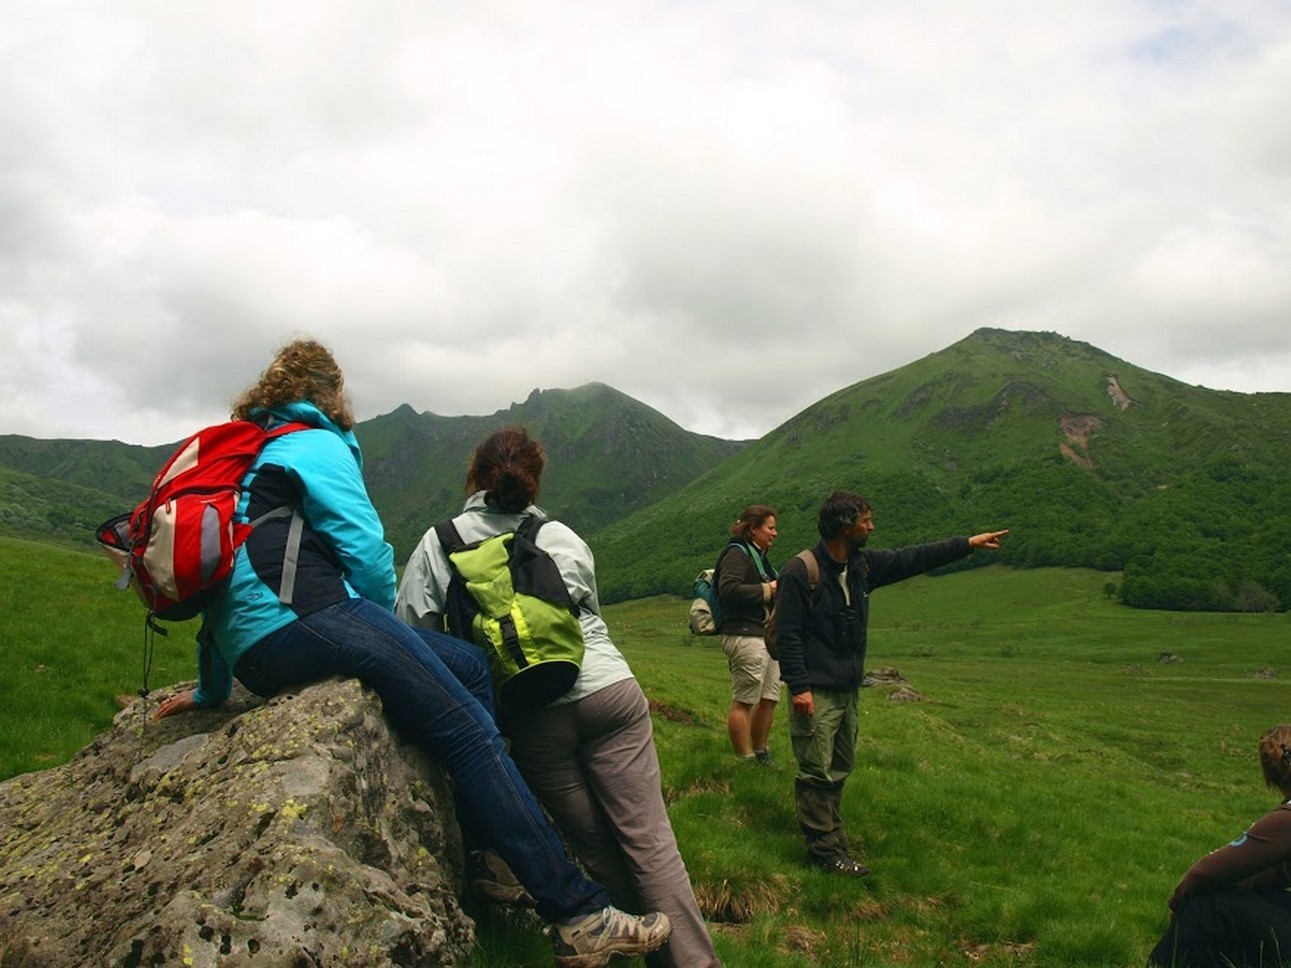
821	629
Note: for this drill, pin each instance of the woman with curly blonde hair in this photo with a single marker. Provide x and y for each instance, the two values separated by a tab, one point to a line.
1232	909
302	370
276	627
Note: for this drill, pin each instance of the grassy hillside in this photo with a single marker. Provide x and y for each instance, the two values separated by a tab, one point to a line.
1089	460
71	644
106	466
50	510
607	455
1034	810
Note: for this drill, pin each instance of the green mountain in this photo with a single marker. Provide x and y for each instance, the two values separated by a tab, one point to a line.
607	455
1089	460
60	490
47	509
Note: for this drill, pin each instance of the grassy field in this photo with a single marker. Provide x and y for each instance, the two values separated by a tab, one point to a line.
1034	809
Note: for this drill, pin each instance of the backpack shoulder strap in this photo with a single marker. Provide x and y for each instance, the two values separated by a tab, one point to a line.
283	430
722	554
276	426
755	556
450	539
813	568
530	527
810	565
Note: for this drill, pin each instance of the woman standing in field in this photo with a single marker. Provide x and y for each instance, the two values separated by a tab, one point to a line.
1232	907
746	585
338	620
589	755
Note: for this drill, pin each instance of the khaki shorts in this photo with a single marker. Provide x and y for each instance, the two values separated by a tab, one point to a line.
754	674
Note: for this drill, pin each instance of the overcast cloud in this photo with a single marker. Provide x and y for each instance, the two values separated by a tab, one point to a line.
726	210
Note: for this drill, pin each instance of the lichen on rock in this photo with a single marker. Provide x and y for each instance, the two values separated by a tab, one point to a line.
293	831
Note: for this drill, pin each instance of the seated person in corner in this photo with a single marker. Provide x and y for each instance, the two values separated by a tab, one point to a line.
339	621
1232	907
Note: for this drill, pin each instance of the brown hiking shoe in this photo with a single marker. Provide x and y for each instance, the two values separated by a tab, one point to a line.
591	941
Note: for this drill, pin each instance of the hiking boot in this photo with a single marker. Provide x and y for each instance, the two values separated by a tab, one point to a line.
763	758
492	879
592	940
839	864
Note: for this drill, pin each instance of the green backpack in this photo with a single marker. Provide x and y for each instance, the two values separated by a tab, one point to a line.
508	597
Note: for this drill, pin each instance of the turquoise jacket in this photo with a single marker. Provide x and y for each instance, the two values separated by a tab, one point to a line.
343	552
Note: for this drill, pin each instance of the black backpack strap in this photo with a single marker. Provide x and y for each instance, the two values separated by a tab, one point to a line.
456	607
530	526
528	529
450	539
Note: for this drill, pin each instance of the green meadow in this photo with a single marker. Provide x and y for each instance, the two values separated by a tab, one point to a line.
1034	808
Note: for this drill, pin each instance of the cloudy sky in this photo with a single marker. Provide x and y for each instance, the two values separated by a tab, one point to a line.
724	209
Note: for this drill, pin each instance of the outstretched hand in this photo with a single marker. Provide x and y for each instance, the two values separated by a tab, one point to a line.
181	702
988	539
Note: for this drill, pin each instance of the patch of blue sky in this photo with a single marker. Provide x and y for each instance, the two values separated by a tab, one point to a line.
1191	44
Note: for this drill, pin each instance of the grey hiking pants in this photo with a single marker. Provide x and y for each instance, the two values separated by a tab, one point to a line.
592	764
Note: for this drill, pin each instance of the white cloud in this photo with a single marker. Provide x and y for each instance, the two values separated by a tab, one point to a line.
727	210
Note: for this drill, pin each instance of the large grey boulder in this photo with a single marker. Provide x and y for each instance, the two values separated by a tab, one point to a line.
293	832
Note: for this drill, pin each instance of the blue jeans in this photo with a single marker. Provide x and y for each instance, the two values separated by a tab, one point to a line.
437	694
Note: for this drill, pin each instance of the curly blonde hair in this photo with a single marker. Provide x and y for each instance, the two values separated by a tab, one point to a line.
304	369
1275	758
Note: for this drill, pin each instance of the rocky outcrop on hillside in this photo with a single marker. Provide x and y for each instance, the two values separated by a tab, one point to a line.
296	831
1120	399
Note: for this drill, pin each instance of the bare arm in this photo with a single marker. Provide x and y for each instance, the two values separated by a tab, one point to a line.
181	702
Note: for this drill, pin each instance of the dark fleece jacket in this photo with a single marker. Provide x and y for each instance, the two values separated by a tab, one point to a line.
821	639
744	594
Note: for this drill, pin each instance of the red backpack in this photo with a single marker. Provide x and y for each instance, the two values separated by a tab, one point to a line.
177	547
